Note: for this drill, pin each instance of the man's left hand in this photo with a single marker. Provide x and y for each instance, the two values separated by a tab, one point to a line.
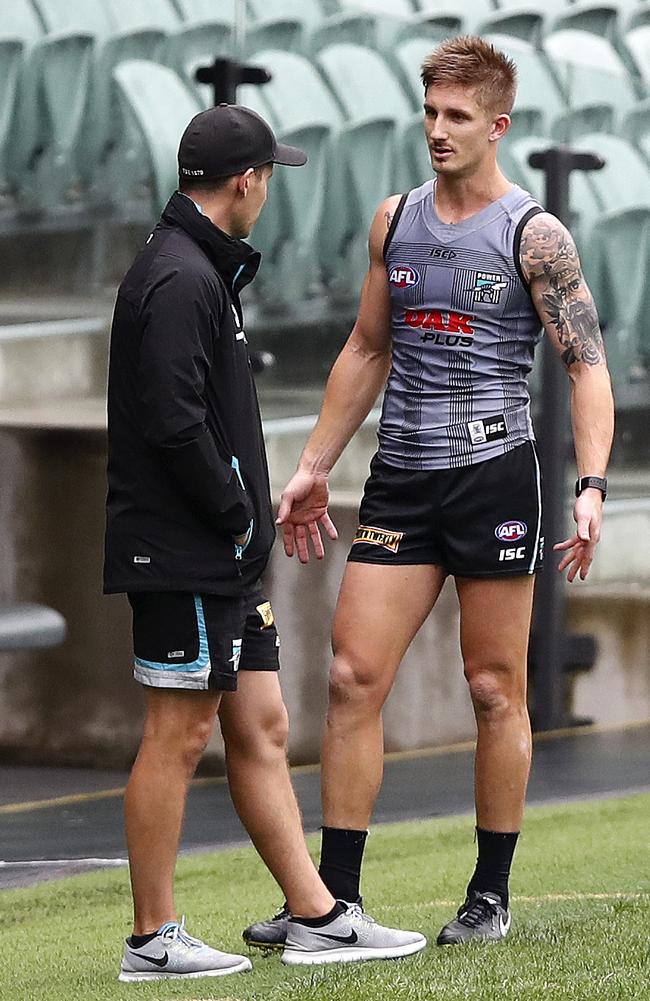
580	548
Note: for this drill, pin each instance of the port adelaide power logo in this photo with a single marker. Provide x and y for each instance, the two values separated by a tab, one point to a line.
488	287
403	276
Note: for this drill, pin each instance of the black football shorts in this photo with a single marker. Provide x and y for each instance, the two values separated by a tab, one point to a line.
201	641
482	520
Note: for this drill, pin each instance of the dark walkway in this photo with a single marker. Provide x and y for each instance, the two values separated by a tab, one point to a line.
60	815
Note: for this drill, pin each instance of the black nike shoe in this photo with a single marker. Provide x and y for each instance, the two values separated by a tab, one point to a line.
271	934
481	918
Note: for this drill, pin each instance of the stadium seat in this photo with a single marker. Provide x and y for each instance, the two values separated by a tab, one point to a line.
374	132
206	30
622	241
594	79
468	15
155	107
637	43
620	246
42	153
19	32
520	19
282	24
303	113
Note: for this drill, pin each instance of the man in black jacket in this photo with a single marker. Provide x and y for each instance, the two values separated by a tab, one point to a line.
189	532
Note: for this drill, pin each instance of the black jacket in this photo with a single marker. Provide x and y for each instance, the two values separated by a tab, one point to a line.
186	460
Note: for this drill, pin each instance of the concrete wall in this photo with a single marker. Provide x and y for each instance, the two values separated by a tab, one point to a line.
78	703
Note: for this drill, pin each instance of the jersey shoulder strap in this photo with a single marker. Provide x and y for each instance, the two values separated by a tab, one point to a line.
394	222
516	243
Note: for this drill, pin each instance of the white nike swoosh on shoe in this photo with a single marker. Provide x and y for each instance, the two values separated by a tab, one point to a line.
504	926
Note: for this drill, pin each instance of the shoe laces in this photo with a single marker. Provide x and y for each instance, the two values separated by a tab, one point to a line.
473	912
357	911
175	932
284	912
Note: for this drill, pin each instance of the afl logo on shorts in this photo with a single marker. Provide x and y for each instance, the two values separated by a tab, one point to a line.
511	531
403	276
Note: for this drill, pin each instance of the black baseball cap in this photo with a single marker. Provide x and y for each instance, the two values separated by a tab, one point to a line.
229	139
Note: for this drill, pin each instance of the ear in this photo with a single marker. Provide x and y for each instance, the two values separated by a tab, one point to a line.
243	182
500	126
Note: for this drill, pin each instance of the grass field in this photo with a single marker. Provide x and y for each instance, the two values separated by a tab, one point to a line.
581	927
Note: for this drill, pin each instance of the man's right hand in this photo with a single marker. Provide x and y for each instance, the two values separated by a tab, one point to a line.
303	505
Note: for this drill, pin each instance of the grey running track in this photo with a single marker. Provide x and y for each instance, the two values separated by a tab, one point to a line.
54	822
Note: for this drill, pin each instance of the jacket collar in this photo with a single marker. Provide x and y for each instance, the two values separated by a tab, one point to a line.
236	261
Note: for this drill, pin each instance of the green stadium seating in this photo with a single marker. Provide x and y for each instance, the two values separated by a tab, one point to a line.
42	154
19	32
597	86
623	242
303	113
282	24
204	32
374	131
620	244
155	107
637	43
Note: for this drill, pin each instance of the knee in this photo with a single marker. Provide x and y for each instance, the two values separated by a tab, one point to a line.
180	740
260	735
493	691
353	682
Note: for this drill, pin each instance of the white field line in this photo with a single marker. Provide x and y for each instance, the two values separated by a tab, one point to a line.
61	862
544	898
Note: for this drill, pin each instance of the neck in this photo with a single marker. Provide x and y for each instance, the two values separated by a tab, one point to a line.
458	198
217	208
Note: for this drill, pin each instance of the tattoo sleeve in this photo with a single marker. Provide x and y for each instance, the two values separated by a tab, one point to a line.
550	261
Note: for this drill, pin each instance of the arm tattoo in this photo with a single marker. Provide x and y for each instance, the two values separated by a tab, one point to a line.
550	261
388	216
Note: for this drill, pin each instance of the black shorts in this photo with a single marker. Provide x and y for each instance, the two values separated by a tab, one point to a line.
482	520
200	641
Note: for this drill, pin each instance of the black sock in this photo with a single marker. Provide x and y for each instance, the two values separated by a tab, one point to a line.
137	941
341	855
325	919
495	851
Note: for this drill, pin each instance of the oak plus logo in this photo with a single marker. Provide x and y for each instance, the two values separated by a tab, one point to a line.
452	330
403	276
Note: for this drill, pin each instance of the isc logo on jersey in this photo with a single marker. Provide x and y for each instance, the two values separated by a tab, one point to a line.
403	276
511	531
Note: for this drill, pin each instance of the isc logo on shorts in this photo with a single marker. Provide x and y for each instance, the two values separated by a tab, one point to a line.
378	537
511	531
403	276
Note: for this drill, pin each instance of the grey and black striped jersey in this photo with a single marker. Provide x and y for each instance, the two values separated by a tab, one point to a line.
464	331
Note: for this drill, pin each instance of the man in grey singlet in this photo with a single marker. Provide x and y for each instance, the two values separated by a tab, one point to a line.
464	271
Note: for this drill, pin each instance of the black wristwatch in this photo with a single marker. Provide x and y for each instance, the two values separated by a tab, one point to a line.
597	482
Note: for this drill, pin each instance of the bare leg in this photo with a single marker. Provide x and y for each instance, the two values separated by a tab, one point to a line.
379	611
495	624
254	726
177	727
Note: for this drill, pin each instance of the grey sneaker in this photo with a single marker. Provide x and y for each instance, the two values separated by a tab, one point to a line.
269	934
172	954
349	938
272	934
481	918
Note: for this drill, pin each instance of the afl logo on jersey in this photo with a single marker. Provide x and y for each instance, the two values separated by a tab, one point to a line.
403	276
511	531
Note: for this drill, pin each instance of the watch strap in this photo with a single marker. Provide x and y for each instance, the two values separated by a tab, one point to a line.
595	482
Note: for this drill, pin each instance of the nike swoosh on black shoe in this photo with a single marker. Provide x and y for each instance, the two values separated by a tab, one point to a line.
156	960
345	939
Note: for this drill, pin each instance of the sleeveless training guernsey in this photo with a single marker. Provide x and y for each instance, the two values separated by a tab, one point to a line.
464	331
